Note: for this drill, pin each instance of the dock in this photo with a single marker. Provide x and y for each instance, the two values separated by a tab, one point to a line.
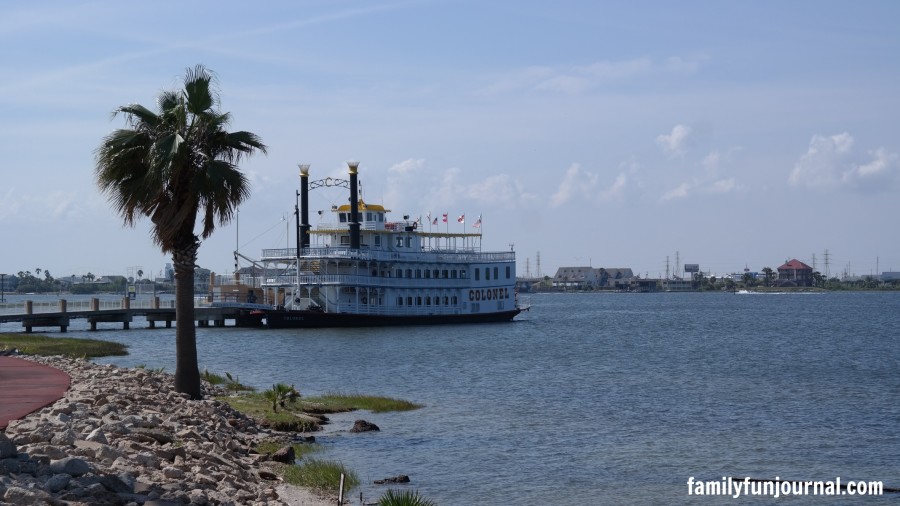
216	316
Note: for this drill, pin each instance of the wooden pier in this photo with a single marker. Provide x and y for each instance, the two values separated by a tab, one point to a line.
204	316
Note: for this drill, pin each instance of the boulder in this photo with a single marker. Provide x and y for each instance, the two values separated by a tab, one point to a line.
285	455
363	426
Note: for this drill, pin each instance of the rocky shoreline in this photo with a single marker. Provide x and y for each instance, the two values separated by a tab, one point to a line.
125	437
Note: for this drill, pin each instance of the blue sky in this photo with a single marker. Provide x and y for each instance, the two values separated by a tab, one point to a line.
613	134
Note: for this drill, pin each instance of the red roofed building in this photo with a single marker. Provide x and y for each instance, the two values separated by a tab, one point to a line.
795	273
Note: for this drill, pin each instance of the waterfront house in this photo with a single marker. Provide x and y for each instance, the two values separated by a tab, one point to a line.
795	273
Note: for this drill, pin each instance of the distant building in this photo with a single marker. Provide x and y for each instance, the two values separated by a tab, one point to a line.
590	277
795	273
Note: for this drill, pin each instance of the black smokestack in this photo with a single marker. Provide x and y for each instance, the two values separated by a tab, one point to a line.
304	208
354	204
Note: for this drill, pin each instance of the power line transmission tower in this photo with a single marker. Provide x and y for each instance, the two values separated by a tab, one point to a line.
827	265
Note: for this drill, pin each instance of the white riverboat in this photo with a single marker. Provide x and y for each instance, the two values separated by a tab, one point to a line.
365	270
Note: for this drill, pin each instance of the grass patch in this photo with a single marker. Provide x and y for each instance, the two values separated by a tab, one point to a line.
321	475
228	381
347	402
255	405
37	344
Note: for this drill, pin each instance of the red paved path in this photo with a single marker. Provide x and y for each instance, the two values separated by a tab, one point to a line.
27	386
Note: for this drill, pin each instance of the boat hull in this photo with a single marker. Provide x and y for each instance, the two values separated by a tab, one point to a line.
281	319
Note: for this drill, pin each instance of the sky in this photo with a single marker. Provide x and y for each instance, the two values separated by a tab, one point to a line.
608	134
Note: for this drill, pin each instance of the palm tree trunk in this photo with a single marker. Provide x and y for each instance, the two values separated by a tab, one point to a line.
187	372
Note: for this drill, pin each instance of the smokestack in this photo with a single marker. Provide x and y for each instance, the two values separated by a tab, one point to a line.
303	233
354	204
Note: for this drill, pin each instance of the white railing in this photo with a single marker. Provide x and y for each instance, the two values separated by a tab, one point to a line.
17	308
435	256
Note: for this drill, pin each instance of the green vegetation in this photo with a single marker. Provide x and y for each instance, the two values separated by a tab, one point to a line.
37	344
228	381
258	406
280	395
347	402
173	165
319	474
404	498
306	415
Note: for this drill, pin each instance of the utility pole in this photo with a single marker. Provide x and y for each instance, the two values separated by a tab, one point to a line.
814	262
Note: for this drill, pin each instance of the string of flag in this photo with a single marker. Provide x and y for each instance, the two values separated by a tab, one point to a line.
445	218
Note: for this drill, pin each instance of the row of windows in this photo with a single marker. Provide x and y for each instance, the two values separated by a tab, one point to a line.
496	271
428	300
365	216
431	273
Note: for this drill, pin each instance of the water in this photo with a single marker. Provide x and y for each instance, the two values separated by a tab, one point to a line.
597	398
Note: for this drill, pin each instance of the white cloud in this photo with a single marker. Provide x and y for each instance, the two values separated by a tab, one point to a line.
722	186
878	174
500	189
575	79
679	192
576	181
675	143
407	166
820	165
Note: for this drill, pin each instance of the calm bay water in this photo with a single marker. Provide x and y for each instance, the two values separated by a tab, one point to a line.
596	398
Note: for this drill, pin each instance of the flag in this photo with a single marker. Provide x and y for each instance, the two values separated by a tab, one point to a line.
434	222
428	216
445	217
477	223
462	218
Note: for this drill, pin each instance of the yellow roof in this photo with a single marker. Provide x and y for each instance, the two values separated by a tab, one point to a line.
362	207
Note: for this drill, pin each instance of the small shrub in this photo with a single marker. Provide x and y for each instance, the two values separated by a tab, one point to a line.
404	498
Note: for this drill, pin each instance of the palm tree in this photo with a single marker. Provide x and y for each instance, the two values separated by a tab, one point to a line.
169	166
767	271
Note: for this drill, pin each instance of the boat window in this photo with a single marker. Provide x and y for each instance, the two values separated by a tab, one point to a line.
507	271
345	240
399	301
409	242
418	273
437	274
418	301
369	217
428	301
409	301
453	300
463	273
399	273
487	273
445	274
496	273
343	217
453	274
427	274
380	216
409	273
446	300
378	241
399	242
477	274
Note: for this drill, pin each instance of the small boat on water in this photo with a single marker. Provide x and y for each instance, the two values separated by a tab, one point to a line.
365	270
